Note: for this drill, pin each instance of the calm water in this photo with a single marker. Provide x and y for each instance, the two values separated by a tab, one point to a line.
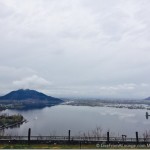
58	120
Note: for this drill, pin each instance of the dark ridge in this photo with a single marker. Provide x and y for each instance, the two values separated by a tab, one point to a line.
28	94
148	98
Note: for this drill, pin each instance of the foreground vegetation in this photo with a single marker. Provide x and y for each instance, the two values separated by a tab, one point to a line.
69	146
6	120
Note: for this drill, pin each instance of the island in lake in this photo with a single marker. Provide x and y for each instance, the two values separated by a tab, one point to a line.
7	121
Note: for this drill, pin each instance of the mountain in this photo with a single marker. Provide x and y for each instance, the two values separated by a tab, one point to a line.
148	98
28	99
27	94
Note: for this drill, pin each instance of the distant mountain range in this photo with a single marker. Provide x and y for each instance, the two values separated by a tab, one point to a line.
148	98
28	99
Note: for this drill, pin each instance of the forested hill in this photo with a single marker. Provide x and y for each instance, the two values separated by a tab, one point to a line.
27	94
28	99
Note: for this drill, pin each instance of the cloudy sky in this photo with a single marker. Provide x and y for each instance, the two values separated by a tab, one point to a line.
88	48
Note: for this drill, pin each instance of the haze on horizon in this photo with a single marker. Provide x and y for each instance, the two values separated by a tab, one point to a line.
76	48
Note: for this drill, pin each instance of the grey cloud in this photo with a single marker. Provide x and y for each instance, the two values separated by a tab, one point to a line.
5	11
80	46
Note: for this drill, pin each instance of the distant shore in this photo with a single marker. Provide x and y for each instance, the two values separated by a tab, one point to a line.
143	104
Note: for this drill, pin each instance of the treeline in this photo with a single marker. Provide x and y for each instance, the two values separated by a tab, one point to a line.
6	119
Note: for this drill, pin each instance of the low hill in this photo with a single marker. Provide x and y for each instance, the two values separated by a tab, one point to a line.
28	99
27	94
148	98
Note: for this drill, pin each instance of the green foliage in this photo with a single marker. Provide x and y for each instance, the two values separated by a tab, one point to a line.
5	119
68	146
7	147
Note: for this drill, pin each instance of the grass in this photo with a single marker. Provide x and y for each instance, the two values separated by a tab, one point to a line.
66	146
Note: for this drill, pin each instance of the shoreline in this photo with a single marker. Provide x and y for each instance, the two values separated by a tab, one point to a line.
13	125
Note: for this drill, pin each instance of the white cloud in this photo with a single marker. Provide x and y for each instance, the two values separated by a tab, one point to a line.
144	84
126	86
12	78
34	82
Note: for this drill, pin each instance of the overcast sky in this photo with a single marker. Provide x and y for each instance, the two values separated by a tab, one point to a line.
89	48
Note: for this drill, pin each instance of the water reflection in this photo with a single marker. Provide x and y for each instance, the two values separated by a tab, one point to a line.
58	120
147	115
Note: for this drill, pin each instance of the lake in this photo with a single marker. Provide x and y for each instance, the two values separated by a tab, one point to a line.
57	120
